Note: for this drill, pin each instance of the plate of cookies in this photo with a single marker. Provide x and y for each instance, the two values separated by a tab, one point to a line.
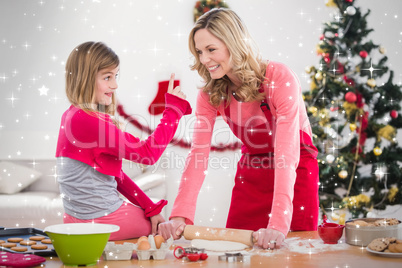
26	241
386	247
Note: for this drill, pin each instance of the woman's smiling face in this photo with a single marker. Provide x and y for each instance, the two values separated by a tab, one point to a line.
213	54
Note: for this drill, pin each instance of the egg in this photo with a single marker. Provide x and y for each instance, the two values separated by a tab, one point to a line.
158	241
143	245
142	238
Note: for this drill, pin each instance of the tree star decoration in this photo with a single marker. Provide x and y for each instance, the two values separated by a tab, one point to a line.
43	90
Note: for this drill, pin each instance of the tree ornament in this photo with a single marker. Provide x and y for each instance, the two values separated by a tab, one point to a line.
363	54
309	69
313	110
350	1
329	35
371	82
313	85
330	158
382	50
330	3
377	151
343	174
203	6
393	114
350	10
352	127
318	76
350	97
388	132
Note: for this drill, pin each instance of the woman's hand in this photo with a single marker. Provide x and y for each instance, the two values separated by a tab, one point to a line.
155	221
173	228
269	238
175	91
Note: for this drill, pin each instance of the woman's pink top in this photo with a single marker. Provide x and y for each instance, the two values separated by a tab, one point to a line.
283	93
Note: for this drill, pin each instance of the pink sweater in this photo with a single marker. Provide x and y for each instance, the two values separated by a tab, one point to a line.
94	139
283	93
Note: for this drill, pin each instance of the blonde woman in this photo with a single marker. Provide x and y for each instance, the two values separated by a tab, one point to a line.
91	147
276	184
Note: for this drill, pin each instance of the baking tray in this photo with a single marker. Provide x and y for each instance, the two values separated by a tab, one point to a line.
25	233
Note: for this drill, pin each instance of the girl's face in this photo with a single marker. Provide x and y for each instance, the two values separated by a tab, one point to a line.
213	54
106	84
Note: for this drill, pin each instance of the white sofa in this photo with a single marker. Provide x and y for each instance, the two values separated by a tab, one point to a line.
30	197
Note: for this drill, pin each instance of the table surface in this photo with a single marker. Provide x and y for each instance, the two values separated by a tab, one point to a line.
342	255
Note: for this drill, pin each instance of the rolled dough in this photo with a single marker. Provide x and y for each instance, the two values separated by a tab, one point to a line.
218	245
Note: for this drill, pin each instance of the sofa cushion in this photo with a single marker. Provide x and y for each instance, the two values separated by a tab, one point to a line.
31	209
14	177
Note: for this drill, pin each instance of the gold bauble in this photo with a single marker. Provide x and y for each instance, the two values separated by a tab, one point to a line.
377	151
313	110
343	174
352	127
382	50
313	85
371	82
330	3
318	76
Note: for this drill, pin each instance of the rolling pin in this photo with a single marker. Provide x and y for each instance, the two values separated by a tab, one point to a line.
226	234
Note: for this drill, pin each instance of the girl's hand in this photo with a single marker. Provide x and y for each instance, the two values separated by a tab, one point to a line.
269	238
173	228
155	221
175	91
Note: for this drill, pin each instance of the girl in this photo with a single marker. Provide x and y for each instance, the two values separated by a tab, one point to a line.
91	147
276	184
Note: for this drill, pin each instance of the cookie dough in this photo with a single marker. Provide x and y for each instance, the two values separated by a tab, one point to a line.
218	245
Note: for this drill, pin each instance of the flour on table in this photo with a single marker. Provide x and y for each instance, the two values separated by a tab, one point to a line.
218	245
304	246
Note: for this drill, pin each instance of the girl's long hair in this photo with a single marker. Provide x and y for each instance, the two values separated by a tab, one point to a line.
245	59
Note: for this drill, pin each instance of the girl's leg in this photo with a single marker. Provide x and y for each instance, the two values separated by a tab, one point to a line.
130	218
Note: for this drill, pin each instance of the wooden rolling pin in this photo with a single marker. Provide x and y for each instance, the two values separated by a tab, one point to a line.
209	233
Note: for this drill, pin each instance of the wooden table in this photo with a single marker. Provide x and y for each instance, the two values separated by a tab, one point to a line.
348	257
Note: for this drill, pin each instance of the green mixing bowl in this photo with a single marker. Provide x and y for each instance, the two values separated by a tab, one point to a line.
80	243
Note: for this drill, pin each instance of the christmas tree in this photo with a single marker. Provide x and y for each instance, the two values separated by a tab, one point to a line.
354	117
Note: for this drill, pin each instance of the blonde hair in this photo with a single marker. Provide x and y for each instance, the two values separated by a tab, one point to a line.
83	64
245	60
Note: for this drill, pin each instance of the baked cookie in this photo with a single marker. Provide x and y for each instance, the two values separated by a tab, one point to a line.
378	244
27	243
390	240
393	221
2	241
46	241
398	241
9	245
360	223
19	249
398	248
15	239
37	238
39	247
392	248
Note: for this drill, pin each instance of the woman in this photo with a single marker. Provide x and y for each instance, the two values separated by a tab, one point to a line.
262	104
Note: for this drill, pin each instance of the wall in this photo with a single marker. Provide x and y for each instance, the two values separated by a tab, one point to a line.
151	40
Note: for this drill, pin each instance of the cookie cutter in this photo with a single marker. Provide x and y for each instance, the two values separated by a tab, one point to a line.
191	253
234	257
